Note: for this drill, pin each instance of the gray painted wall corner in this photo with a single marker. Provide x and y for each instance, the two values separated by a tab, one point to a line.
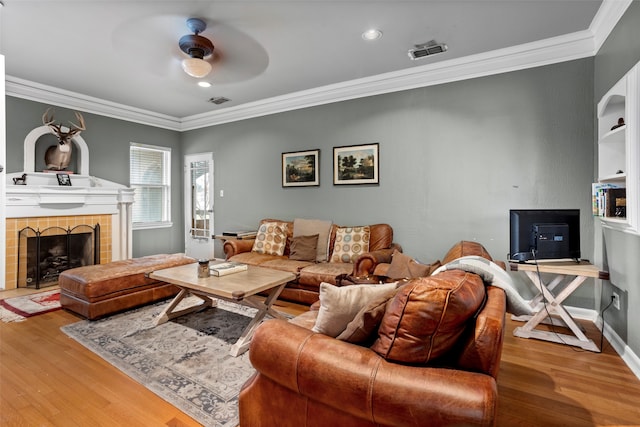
619	251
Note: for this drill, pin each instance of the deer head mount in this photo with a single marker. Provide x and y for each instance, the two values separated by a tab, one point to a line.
63	137
58	157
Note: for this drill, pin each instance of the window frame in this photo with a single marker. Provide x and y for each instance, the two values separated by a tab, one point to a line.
166	186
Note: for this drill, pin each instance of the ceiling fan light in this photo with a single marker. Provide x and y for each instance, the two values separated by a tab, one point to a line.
196	67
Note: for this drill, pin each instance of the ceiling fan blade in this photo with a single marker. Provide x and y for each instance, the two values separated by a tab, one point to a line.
150	45
237	56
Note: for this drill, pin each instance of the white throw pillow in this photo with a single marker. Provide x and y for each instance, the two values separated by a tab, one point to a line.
339	305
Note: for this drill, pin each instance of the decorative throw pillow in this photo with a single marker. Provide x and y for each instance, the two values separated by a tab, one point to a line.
351	242
339	305
426	316
271	238
365	323
309	227
303	248
404	267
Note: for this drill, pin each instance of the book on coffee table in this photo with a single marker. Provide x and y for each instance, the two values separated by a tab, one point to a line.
228	267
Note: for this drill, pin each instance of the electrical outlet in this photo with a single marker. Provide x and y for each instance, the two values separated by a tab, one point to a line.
616	300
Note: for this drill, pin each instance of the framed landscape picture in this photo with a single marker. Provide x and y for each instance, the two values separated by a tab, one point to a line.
356	164
301	168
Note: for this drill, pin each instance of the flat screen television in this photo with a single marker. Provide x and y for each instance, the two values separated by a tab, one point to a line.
544	234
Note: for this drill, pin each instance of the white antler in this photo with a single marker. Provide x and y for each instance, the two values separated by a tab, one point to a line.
63	137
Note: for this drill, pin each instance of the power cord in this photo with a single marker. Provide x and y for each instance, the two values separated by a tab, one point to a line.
602	329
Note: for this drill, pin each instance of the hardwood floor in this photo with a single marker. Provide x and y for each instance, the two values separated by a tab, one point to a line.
547	384
48	379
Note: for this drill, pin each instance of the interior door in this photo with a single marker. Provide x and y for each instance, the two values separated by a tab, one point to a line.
198	202
3	248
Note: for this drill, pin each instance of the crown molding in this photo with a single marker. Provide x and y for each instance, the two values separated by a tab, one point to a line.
558	49
33	91
606	19
544	52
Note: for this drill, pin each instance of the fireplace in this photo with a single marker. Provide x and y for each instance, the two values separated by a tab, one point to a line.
35	200
43	255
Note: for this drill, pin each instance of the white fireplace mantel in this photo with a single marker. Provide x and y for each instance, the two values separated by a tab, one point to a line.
87	195
42	196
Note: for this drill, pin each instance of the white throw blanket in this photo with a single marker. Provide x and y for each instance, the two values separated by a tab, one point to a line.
492	274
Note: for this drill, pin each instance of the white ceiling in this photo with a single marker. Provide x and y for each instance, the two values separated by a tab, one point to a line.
122	57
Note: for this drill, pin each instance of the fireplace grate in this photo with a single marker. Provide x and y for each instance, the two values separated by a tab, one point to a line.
43	255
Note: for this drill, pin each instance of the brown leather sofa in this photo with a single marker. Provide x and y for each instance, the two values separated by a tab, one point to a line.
304	289
311	379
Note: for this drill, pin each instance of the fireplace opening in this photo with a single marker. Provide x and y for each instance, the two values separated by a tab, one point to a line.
43	255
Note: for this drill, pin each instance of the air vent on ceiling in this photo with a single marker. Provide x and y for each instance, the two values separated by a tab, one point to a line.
218	100
427	49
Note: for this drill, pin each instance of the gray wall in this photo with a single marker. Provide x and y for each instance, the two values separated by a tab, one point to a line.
619	53
454	159
108	141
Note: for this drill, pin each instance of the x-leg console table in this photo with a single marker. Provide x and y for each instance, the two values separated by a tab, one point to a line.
547	303
239	287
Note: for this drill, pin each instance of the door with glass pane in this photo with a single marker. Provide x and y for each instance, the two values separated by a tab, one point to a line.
198	202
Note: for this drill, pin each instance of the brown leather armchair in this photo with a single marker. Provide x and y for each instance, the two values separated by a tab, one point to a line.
309	379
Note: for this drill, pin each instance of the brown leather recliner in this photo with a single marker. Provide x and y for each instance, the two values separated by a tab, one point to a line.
310	379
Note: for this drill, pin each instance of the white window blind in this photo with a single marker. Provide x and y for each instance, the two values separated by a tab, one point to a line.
150	177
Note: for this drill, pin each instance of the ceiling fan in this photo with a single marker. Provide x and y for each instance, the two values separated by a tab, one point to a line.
154	45
198	48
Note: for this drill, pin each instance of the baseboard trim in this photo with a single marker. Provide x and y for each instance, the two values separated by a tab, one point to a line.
624	351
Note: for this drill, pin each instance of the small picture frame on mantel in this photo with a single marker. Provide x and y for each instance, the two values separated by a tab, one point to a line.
64	179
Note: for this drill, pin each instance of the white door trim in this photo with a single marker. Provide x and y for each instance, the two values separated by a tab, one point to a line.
198	247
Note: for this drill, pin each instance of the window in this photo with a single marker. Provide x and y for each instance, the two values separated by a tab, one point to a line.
150	177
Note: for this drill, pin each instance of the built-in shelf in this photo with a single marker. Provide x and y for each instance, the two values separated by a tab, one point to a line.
615	135
619	155
620	177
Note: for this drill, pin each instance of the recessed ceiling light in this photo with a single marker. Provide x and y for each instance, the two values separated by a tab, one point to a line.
204	84
372	34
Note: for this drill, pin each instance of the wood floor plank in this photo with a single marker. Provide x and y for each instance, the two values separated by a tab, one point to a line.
48	379
548	384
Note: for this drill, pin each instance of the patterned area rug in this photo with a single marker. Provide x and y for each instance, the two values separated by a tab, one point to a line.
185	361
17	309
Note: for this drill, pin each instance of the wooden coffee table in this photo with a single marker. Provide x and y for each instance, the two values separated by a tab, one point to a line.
237	287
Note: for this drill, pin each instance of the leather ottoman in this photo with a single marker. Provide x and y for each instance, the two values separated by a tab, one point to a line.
96	291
